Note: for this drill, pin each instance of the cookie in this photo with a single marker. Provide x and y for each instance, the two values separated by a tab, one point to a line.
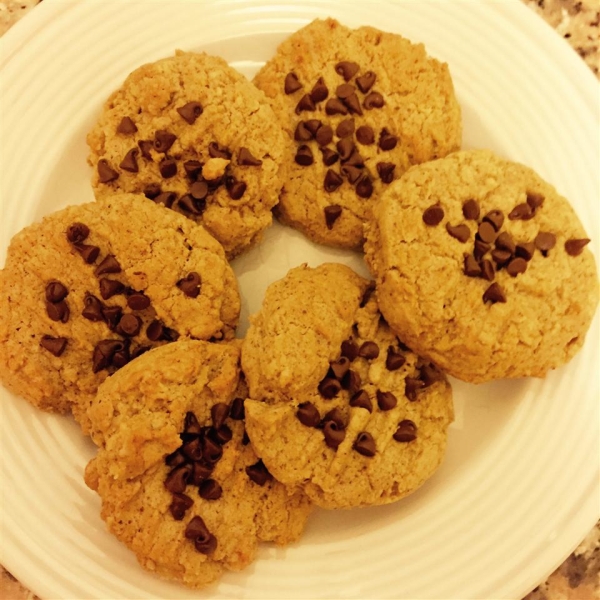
337	403
358	107
179	483
482	267
193	134
93	286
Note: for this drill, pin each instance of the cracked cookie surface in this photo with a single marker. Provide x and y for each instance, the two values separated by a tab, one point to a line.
482	267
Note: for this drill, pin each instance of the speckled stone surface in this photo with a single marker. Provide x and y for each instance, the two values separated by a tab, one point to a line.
578	578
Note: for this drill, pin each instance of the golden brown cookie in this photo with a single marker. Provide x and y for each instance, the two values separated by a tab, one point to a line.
92	286
482	268
192	133
179	483
358	108
337	403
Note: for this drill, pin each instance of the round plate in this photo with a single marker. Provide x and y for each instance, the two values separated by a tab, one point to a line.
519	487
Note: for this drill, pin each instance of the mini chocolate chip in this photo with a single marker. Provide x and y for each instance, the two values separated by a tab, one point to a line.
192	449
235	188
145	146
175	459
340	367
406	432
361	400
345	128
305	104
494	294
471	266
335	415
308	414
344	90
215	151
258	473
200	472
412	386
92	308
155	331
312	125
126	126
247	159
429	374
302	134
501	257
109	264
574	247
351	381
237	412
291	84
460	232
350	350
329	388
199	190
334	434
345	148
54	345
486	232
190	111
163	140
364	188
211	450
505	242
319	91
324	135
433	215
120	358
544	242
480	249
365	82
219	413
138	301
196	528
206	545
387	141
190	284
521	211
351	173
347	69
335	106
386	400
58	311
394	359
365	136
189	205
355	159
386	171
112	316
535	200
487	270
471	210
329	156
495	218
516	266
106	173
104	351
353	104
88	253
179	505
304	156
56	291
167	168
190	423
525	250
152	190
365	444
129	325
373	100
223	434
77	233
210	490
166	198
129	162
369	350
332	181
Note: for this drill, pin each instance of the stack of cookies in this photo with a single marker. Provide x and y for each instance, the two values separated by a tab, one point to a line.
124	311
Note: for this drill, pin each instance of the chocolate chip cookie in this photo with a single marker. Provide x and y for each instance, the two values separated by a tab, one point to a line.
179	483
193	134
358	108
482	267
337	403
91	287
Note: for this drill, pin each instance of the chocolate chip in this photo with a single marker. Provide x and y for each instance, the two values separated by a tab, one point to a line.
535	200
189	205
167	168
126	126
215	151
386	171
329	388
433	215
190	284
190	111
406	432
349	350
361	400
324	135
544	242
77	233
364	188
304	156
56	291
516	266
494	294
200	472
104	352
369	350
525	250
351	381
199	190
129	162
54	345
347	69
210	490
471	266
344	90
471	210
163	140
486	232
365	444
351	173
365	82
109	264
190	423
394	359
235	188
412	386
429	374
258	473
305	104
92	308
335	106
332	181
175	459
345	148
247	159
145	146
219	413
302	134
460	232
312	125
495	218
355	159
152	190
192	448
319	91
505	242
353	104
179	505
106	173
211	450
521	211
366	136
112	316
334	434
155	331
387	141
291	84
501	257
480	249
204	541
308	414
386	400
373	100
345	128
340	367
329	156
487	270
178	478
58	311
166	198
237	409
88	253
574	247
138	301
129	325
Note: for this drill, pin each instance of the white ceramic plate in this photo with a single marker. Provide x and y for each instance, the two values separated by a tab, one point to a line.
519	487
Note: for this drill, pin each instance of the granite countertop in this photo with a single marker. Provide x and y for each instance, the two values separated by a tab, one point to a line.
578	21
